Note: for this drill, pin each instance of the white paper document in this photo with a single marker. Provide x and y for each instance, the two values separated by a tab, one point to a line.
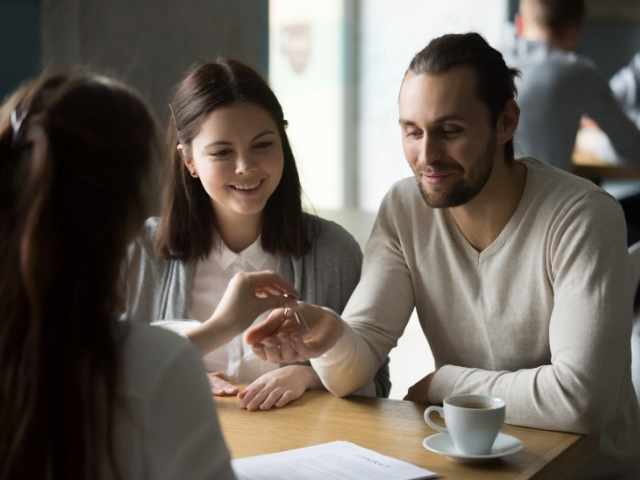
327	461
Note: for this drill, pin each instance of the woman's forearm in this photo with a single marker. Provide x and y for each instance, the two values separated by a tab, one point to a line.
212	334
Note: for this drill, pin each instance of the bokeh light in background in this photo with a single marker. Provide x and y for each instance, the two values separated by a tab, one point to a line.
336	67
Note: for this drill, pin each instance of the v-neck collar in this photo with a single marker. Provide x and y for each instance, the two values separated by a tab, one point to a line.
506	232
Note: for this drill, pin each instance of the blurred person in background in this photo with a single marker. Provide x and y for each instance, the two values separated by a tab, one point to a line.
560	90
557	87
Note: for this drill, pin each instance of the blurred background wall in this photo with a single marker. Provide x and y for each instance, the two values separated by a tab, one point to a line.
20	46
336	65
150	43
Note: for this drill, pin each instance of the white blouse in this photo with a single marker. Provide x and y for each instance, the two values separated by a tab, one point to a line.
212	275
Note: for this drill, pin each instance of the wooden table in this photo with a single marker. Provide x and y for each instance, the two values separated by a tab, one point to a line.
589	166
591	144
391	427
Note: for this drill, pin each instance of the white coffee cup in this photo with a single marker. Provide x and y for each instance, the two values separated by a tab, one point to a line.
472	421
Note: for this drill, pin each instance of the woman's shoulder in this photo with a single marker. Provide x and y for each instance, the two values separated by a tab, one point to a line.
331	269
149	354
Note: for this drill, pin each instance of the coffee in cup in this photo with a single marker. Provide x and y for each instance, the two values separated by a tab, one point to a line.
472	421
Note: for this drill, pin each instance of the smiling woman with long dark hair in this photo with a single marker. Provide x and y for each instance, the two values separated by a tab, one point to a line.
233	204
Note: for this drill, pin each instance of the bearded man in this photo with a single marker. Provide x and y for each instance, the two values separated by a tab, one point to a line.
517	270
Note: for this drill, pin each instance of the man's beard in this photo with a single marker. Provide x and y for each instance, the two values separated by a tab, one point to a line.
464	190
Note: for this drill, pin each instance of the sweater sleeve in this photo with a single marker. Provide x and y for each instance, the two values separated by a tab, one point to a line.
589	330
344	264
602	106
375	315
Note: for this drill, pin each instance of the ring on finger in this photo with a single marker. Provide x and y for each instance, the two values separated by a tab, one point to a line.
301	321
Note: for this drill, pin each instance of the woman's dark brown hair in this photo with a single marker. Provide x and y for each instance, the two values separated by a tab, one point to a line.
74	150
188	228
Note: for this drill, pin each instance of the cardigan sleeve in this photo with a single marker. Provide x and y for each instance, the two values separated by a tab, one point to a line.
331	270
142	277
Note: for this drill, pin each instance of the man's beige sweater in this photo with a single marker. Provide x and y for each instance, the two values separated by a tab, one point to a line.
540	318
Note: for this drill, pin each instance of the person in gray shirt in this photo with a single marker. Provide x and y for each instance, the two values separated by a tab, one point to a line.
558	87
625	85
626	88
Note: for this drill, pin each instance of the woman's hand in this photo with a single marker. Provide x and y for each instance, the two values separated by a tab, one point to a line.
220	385
294	334
278	387
247	296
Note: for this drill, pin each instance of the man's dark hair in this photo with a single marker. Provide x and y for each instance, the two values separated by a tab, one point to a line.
495	84
557	15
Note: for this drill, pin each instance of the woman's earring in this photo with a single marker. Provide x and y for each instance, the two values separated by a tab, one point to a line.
194	174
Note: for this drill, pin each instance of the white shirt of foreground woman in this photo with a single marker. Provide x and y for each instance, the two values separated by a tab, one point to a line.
235	360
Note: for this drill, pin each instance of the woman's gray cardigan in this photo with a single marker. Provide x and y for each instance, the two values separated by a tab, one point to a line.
159	289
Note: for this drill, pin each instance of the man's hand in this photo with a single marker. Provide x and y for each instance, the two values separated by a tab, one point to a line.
295	334
419	392
220	385
278	387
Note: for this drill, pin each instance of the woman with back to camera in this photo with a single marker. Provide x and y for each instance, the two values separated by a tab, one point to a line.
232	205
83	395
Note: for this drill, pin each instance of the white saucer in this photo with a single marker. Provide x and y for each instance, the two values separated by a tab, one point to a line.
442	444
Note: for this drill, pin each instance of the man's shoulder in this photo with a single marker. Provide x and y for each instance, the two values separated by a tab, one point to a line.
555	188
539	60
543	176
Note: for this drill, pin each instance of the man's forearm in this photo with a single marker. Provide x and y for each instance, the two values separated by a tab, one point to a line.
549	397
348	366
